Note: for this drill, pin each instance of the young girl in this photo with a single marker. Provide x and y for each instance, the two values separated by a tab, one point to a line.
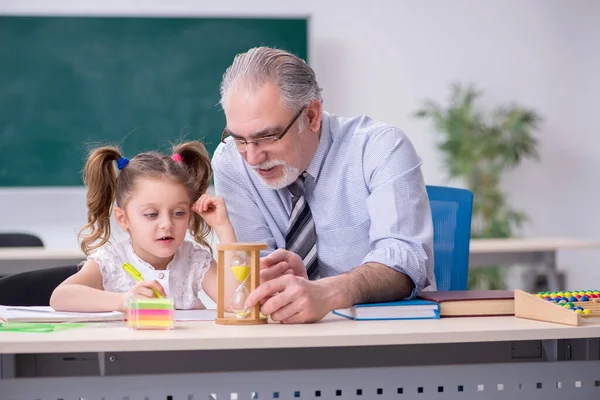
158	199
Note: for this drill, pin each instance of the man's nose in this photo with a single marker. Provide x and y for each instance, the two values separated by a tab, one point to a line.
254	154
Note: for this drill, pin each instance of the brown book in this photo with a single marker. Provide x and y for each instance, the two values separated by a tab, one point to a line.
472	303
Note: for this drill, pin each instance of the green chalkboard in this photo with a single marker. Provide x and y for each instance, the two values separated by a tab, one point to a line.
69	83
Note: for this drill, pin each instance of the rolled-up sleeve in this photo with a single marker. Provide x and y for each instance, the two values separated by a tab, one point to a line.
401	231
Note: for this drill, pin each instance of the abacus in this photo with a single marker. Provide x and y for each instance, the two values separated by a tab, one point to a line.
563	307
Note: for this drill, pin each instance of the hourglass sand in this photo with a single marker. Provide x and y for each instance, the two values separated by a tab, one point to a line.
243	261
241	271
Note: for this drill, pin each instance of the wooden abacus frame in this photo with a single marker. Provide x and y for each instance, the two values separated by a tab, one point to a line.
530	306
252	251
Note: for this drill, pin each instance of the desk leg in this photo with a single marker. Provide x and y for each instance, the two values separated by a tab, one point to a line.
529	278
544	263
7	366
551	272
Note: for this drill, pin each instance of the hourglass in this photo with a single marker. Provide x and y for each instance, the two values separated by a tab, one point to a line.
242	259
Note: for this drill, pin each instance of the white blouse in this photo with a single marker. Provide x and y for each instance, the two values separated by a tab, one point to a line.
182	279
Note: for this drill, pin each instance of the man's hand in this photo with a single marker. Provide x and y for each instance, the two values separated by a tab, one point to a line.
281	262
290	299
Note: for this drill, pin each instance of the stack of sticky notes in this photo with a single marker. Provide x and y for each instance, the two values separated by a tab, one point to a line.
155	313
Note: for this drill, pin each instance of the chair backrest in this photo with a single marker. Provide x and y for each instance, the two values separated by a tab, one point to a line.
33	288
10	239
451	210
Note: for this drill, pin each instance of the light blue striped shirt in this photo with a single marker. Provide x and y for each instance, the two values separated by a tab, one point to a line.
365	190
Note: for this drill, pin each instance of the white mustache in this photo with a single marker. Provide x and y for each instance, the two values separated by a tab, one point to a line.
269	164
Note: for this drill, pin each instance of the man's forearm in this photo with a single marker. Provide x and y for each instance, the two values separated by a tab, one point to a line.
370	282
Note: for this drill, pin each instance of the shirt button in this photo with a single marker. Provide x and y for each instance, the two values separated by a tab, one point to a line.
161	275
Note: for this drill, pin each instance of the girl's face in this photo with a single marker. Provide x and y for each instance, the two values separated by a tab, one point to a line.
157	217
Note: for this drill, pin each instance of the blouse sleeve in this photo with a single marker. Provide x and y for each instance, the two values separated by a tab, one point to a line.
110	262
201	262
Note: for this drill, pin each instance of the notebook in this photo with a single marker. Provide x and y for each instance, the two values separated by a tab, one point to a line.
401	309
47	314
472	303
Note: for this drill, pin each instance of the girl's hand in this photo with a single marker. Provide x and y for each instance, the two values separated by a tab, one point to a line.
143	289
213	210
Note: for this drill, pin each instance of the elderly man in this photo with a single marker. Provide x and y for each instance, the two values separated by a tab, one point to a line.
340	201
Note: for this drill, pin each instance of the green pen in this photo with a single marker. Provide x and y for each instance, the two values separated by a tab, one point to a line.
135	274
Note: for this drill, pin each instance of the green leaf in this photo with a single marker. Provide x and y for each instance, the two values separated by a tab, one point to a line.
479	148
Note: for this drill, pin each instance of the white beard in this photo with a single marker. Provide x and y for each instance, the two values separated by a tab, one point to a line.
290	174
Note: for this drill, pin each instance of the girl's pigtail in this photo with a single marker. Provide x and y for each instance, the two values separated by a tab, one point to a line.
100	178
194	157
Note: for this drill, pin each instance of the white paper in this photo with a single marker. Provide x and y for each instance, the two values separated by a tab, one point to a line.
195	315
47	314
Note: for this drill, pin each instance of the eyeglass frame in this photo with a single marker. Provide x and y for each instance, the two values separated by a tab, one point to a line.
257	141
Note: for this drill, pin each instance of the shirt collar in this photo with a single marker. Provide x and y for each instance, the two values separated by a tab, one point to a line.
147	265
314	168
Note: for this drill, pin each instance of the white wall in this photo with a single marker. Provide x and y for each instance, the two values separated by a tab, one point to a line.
382	58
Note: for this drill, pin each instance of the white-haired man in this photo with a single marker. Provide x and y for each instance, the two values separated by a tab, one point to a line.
341	201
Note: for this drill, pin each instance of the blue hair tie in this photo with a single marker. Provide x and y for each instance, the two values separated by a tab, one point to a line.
122	162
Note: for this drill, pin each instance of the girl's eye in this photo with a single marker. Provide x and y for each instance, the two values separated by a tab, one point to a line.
179	213
151	215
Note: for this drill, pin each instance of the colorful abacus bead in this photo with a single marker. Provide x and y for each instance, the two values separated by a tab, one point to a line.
151	314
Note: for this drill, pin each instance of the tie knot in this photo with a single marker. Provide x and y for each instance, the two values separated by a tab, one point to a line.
297	187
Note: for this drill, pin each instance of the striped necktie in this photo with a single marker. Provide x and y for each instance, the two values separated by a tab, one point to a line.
301	237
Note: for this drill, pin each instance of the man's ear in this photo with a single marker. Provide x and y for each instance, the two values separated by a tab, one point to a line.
314	115
121	218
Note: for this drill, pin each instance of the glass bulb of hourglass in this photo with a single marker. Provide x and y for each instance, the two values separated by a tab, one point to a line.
240	270
238	302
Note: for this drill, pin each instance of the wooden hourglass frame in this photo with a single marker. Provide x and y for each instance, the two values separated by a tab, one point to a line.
252	253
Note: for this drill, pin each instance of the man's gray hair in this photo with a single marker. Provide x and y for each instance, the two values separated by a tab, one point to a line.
294	78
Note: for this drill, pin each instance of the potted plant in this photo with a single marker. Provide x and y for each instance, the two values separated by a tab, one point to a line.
479	148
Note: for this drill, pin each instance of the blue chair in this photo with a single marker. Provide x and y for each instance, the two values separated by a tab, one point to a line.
451	210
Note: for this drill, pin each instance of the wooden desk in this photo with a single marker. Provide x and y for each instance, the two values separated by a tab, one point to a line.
21	259
505	357
333	331
532	251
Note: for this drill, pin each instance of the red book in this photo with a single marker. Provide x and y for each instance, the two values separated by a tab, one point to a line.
472	303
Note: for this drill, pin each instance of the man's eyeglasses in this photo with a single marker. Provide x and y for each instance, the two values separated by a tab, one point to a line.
264	141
